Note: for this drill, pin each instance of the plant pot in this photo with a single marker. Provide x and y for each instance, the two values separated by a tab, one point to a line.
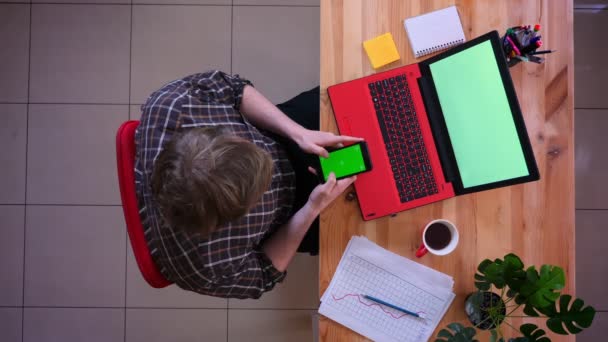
479	305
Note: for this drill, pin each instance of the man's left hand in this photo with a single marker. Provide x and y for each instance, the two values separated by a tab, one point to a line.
315	141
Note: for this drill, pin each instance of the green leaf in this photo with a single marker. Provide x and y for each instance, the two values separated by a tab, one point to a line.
483	285
456	327
482	265
444	333
469	333
461	338
480	280
458	333
495	274
527	288
532	333
538	290
530	311
514	272
527	328
501	273
574	317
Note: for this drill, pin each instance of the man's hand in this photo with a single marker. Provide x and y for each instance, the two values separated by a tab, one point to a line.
324	194
314	142
281	246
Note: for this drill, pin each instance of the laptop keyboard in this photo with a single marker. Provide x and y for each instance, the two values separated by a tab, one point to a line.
403	138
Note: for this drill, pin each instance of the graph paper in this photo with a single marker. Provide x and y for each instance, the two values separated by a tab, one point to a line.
363	273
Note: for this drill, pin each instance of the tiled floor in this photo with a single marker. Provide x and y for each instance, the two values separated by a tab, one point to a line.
70	73
591	125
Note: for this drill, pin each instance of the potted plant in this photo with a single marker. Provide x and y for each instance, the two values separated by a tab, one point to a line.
538	293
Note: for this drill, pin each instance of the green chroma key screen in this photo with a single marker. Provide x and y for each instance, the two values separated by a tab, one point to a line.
478	117
343	162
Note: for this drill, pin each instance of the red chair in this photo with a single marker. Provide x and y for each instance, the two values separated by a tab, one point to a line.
125	155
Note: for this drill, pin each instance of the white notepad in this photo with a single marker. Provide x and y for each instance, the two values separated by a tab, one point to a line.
368	269
435	31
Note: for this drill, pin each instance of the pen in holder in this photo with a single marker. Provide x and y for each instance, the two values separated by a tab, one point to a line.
521	43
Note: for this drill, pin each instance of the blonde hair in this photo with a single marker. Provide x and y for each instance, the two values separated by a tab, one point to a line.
206	177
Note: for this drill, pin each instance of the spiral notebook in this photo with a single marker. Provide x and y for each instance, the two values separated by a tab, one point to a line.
435	31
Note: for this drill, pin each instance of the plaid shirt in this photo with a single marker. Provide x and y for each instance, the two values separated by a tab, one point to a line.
228	262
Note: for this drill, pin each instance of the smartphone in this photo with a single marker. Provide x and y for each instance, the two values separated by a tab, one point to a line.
345	162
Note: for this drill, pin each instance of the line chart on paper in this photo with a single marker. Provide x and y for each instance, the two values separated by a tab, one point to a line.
365	278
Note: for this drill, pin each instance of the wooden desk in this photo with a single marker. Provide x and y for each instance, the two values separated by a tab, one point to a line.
534	220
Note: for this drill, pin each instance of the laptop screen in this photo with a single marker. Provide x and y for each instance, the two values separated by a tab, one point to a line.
479	121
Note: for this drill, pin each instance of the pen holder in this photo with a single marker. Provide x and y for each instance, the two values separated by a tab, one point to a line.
520	43
511	62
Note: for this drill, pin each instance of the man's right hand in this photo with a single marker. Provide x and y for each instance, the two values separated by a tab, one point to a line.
325	193
282	244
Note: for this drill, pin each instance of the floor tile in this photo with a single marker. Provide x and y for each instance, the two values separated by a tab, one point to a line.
277	48
598	330
59	324
10	324
75	256
279	2
591	160
590	70
299	290
591	266
185	2
72	154
315	326
11	255
152	325
134	112
170	42
140	294
596	4
270	325
128	2
80	54
13	135
14	35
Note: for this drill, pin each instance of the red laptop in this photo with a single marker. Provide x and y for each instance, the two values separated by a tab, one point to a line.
447	126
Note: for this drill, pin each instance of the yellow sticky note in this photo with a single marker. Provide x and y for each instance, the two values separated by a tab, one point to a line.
381	50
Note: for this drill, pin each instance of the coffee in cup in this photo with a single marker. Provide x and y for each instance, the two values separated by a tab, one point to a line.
439	237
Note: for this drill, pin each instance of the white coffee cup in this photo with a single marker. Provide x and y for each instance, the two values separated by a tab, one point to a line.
436	241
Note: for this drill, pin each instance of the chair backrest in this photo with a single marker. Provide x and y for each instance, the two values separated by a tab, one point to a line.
125	157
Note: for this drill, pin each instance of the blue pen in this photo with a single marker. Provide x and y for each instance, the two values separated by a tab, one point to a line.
391	306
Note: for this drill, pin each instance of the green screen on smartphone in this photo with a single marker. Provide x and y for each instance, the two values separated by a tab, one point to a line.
343	162
478	117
